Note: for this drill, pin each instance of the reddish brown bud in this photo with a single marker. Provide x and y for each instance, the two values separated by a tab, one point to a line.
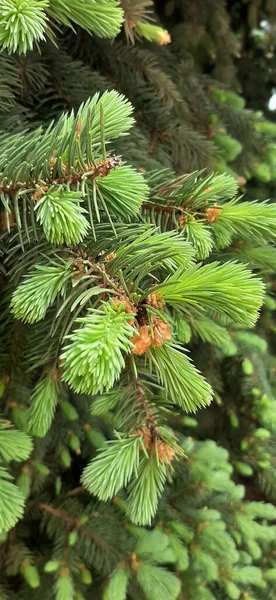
155	299
212	214
142	341
165	452
161	332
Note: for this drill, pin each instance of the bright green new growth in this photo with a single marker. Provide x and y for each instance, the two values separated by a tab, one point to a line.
38	291
125	188
200	236
228	288
11	502
255	221
22	22
62	217
93	359
117	586
126	462
146	489
166	585
17	446
152	33
183	383
103	18
64	587
14	445
43	403
113	467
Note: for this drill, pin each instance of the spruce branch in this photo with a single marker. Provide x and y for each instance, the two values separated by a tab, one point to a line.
62	217
93	359
71	140
183	383
72	523
113	467
167	585
146	488
11	502
43	403
227	288
104	19
14	445
39	289
22	22
117	585
25	22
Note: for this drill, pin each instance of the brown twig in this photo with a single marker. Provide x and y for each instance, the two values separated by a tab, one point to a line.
74	524
151	421
101	169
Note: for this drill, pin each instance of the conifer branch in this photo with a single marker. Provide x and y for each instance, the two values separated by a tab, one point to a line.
74	524
101	168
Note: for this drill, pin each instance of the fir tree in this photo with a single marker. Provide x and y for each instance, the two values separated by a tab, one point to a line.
137	433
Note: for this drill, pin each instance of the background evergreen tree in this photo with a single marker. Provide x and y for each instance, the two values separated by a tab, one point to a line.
137	154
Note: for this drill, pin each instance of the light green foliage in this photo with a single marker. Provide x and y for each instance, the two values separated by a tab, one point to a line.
23	483
183	383
117	115
151	542
200	237
142	249
182	329
69	411
248	339
39	290
100	17
232	590
125	461
51	566
260	257
62	217
125	188
262	171
211	332
113	467
166	585
228	288
150	32
146	489
24	22
43	404
248	574
21	23
247	366
205	564
63	140
180	551
117	586
11	502
14	445
31	576
230	147
254	221
244	469
64	586
138	237
93	359
70	165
